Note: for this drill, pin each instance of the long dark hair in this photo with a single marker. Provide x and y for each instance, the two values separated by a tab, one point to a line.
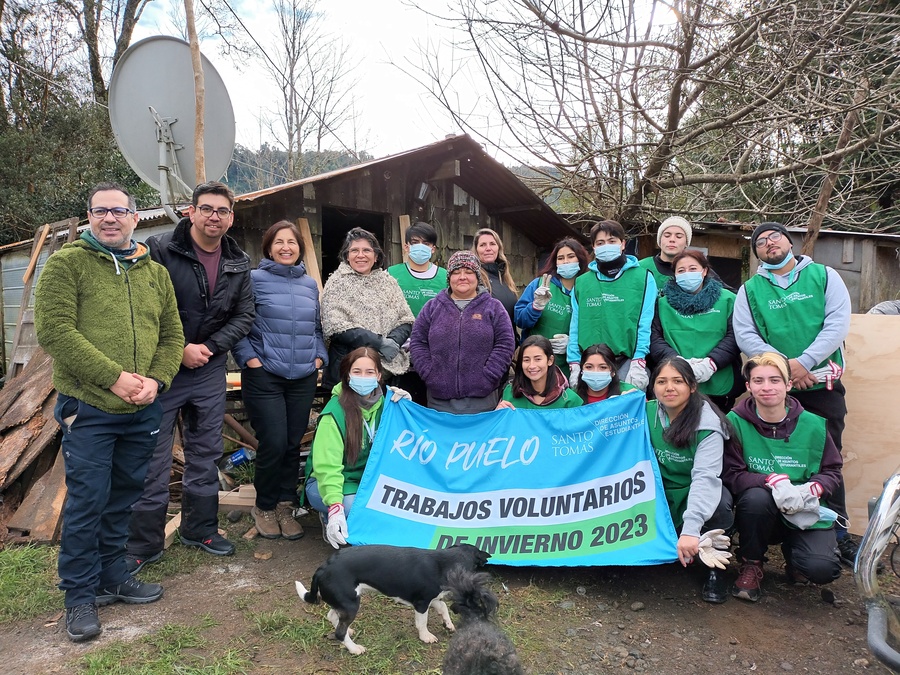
521	385
682	432
549	266
615	386
351	403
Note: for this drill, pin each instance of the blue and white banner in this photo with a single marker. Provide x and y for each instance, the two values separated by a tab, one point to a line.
577	486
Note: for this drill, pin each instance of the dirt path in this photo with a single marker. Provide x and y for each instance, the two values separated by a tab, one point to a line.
584	620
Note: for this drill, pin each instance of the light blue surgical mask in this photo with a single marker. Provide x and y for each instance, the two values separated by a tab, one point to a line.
568	270
826	515
420	253
596	380
607	252
689	281
363	385
774	267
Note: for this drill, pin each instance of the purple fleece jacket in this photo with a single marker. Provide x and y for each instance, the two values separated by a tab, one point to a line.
460	354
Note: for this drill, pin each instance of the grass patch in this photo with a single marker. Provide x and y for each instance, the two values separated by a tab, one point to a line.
172	649
28	582
384	627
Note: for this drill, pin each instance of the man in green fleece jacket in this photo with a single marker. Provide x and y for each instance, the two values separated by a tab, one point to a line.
107	315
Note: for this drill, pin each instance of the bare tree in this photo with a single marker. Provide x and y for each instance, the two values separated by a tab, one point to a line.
314	72
708	108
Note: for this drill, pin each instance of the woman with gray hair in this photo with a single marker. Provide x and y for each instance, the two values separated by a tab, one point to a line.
363	306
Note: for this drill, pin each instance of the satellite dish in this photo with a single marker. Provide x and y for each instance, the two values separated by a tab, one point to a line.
152	111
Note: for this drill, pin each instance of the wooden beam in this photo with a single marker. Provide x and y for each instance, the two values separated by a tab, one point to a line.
40	513
171	527
514	209
245	436
242	499
449	169
868	277
309	255
404	226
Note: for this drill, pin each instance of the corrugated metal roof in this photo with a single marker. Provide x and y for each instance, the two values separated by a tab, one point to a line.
498	189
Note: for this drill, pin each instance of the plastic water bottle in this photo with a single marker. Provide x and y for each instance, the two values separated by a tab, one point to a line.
242	456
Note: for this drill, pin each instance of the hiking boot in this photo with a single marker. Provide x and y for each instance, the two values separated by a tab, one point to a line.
290	528
847	550
130	591
214	543
715	589
266	523
324	526
82	622
134	563
794	577
747	586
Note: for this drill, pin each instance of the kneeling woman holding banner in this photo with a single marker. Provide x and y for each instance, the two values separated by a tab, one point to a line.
343	440
688	435
538	382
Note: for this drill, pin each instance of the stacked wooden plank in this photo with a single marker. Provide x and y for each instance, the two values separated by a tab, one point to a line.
31	468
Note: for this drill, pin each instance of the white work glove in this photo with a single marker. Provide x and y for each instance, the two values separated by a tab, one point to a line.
637	374
703	368
541	298
399	394
788	497
574	372
714	549
559	342
388	349
336	529
828	374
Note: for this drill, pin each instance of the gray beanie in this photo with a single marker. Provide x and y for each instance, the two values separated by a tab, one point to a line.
675	221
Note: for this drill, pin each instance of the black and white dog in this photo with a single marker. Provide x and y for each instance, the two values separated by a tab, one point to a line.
479	646
412	576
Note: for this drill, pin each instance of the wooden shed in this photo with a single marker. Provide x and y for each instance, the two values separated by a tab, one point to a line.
452	184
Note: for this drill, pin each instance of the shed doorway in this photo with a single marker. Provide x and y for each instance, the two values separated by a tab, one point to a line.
336	223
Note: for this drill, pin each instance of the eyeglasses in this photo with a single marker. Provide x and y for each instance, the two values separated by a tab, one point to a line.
364	251
206	211
118	212
775	237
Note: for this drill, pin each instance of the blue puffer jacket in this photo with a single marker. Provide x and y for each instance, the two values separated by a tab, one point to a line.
287	332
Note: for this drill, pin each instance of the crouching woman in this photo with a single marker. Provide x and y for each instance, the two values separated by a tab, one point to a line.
779	464
688	435
344	436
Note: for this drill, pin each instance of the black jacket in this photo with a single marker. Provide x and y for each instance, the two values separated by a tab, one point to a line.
218	319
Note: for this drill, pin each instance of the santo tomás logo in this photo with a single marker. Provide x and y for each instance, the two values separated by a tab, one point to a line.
796	296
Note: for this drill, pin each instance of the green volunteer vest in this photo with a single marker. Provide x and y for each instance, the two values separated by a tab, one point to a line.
649	264
556	318
352	474
569	399
800	456
418	291
696	335
791	318
609	311
675	464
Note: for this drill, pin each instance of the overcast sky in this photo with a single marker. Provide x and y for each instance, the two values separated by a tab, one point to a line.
395	113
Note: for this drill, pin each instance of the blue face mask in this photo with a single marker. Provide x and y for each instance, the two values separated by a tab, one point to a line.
774	267
596	380
420	253
607	252
363	385
826	515
568	270
689	281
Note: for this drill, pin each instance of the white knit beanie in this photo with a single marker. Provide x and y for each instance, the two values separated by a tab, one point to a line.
674	221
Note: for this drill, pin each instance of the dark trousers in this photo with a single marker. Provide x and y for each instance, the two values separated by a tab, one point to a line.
199	394
106	458
413	384
811	552
833	407
279	412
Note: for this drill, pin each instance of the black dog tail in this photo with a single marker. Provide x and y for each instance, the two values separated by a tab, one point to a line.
471	598
312	595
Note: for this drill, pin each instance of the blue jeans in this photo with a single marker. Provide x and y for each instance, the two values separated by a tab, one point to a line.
315	499
106	458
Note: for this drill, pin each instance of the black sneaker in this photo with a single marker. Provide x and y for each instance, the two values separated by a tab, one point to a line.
82	622
847	550
134	563
131	591
214	543
715	589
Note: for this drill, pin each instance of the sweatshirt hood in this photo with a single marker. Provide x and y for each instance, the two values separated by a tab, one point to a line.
746	410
